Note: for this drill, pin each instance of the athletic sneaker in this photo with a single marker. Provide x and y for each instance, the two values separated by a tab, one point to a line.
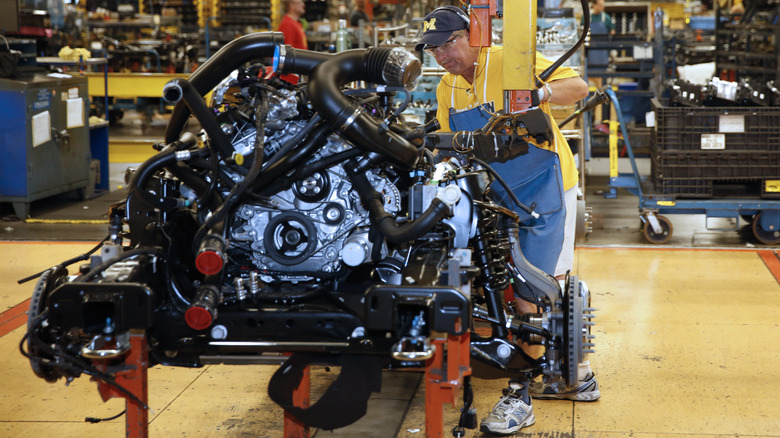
509	415
586	390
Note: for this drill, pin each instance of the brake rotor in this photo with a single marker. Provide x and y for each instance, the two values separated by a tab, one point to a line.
46	283
573	339
577	338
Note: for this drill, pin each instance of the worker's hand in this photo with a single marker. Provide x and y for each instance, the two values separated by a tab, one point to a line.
544	93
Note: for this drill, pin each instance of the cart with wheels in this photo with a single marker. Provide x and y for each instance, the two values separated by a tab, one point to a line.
762	214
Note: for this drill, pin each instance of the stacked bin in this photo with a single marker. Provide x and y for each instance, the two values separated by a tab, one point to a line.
697	151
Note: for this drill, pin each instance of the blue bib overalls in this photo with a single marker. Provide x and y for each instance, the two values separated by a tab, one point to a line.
535	179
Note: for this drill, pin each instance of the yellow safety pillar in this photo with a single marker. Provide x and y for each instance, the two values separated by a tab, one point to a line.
614	125
519	52
204	12
276	14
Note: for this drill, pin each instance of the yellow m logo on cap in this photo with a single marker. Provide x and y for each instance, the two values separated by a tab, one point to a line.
429	25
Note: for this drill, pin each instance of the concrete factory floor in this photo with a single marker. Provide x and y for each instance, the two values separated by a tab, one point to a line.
685	347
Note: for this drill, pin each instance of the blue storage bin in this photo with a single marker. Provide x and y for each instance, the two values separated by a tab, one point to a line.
702	22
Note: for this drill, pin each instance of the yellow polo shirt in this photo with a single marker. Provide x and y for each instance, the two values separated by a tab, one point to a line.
456	92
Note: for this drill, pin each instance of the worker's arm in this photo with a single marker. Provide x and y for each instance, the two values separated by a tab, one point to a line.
567	86
568	91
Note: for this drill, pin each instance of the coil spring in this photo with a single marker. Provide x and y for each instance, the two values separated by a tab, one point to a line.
238	282
493	276
489	249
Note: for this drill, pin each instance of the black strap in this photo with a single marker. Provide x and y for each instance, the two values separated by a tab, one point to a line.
346	399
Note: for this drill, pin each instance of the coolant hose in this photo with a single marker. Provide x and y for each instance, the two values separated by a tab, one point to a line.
272	174
168	157
373	201
346	116
230	57
181	90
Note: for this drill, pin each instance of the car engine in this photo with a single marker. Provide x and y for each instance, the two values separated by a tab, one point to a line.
307	217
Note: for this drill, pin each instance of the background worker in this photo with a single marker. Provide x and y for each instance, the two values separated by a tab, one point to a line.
359	14
467	95
291	25
601	23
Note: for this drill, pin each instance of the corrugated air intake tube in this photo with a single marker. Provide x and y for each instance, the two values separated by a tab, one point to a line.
394	67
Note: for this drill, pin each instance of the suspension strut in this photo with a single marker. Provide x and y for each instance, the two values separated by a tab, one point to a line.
493	274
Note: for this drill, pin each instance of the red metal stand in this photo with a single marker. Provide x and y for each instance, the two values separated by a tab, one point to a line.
444	374
294	428
134	378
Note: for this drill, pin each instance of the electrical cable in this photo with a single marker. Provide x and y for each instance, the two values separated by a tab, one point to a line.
98	420
505	185
77	365
68	262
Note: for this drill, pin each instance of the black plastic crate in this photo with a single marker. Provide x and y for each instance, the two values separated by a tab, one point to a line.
716	128
717	174
715	189
686	188
750	165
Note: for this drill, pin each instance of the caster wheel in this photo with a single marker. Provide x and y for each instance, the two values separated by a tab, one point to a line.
767	237
658	238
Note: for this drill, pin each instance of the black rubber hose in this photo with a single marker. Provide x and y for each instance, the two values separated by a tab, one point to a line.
310	169
345	115
215	224
230	57
290	160
293	142
181	90
163	159
395	233
193	180
373	201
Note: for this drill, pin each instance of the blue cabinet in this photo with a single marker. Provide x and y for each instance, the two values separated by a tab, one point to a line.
44	138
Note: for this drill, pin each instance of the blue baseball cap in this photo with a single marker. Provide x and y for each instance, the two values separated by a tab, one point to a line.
439	25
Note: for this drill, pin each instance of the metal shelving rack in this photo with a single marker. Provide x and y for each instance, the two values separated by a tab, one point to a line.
749	48
634	29
237	13
186	10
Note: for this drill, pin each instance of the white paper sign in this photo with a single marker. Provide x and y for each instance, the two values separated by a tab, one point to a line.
41	128
75	113
731	123
643	52
713	141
